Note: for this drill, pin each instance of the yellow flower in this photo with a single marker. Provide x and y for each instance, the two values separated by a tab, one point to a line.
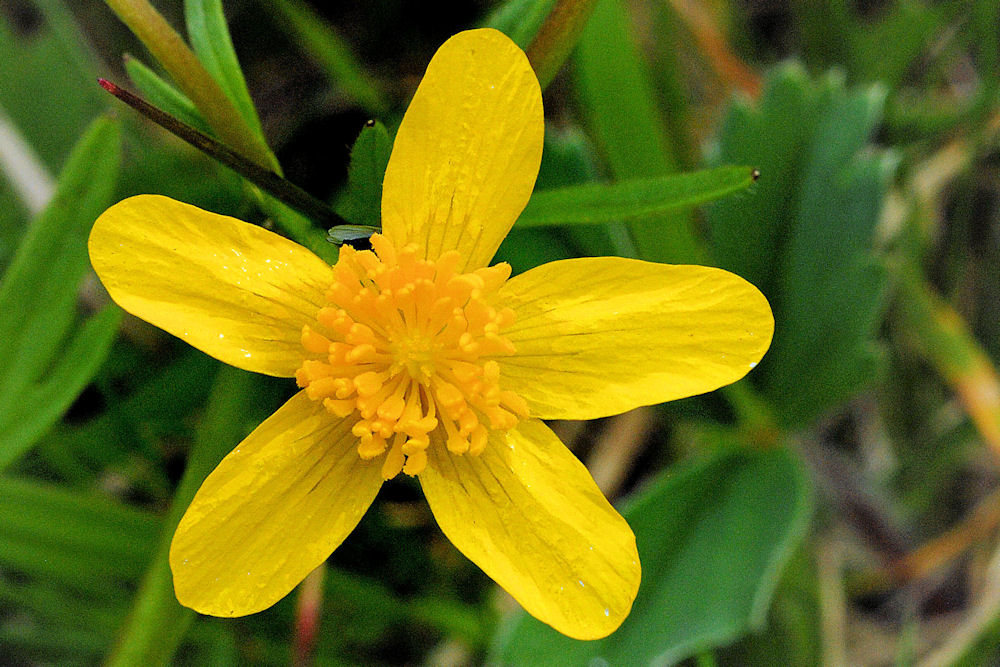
419	358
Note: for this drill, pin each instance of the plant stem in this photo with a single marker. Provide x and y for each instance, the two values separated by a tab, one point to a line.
943	337
265	179
308	611
157	623
557	37
193	79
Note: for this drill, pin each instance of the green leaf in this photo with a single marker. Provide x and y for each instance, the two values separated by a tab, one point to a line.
519	19
619	103
747	233
79	540
137	421
52	56
164	96
41	368
39	407
331	52
362	201
157	623
794	626
568	159
595	203
908	26
48	60
805	237
713	538
210	40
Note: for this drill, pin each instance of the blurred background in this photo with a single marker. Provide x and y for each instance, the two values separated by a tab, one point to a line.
840	505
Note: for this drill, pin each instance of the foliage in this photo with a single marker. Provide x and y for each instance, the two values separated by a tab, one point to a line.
872	230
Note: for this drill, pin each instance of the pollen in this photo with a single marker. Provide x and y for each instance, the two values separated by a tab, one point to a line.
409	347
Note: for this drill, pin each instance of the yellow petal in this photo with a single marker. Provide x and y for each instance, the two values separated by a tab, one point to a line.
467	153
599	336
274	509
528	513
235	291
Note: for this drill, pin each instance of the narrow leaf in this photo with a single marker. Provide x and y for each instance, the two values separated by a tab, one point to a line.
595	203
331	52
619	103
38	292
163	95
210	40
80	540
39	407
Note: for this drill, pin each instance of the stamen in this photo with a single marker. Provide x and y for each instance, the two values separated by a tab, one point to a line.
408	348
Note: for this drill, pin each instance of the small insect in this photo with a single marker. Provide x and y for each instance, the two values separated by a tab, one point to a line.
355	236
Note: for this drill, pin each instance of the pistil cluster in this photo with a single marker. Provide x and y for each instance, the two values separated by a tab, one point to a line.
410	346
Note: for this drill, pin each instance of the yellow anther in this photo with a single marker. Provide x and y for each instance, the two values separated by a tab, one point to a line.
411	350
392	408
370	448
359	333
394	460
457	444
491	371
321	388
414	445
448	394
415	463
314	342
368	383
467	421
339	408
478	442
361	354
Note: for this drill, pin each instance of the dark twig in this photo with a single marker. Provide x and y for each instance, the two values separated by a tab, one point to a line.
265	179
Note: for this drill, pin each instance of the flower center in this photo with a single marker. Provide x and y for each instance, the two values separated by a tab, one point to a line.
410	346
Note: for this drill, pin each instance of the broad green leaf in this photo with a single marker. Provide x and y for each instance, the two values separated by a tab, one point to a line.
627	200
210	40
713	539
793	635
805	236
361	203
331	52
833	288
38	297
163	95
618	101
747	233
